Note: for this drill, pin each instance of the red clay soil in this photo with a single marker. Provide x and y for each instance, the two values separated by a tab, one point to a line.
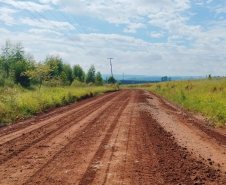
125	137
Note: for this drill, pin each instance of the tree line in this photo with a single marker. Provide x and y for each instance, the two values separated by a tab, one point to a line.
20	67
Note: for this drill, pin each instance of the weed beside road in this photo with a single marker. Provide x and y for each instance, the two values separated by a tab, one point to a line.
205	96
19	103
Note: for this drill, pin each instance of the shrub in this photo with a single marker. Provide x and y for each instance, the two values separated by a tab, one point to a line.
2	81
77	83
9	83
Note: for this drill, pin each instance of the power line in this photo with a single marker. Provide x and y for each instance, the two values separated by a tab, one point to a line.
73	16
47	21
33	15
59	21
72	23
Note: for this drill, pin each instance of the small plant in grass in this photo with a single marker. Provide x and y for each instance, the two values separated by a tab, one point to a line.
209	77
10	97
118	84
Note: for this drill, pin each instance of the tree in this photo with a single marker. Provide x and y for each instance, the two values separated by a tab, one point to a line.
90	77
19	68
11	54
55	62
209	77
111	80
78	73
18	53
98	79
68	71
6	56
39	72
63	77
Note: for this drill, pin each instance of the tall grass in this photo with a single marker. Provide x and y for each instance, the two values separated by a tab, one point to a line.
207	97
18	103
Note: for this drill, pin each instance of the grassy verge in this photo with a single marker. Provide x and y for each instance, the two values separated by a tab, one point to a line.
207	97
18	103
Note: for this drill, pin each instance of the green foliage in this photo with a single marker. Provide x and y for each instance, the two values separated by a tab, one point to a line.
209	77
64	78
2	81
6	56
111	80
78	73
118	84
68	71
39	72
56	64
18	53
20	67
77	83
18	103
90	77
9	83
202	96
52	83
98	79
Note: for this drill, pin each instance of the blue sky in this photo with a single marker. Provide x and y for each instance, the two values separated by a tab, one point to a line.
145	37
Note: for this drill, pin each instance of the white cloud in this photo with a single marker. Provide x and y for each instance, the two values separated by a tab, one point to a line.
133	27
27	5
187	45
44	31
6	16
132	14
156	35
47	24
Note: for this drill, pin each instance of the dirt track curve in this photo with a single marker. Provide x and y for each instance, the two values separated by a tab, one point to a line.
126	137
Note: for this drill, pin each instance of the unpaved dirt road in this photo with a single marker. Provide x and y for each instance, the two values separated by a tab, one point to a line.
125	137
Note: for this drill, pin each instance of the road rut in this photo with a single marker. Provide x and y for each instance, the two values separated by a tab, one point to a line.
125	137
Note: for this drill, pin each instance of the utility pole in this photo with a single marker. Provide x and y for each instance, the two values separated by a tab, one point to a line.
111	65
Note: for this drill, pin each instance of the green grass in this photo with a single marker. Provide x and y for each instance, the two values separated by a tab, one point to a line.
19	103
207	97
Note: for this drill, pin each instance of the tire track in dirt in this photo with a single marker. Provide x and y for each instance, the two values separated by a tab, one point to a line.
96	129
200	144
176	164
191	120
117	143
19	144
120	142
74	109
43	142
22	124
89	175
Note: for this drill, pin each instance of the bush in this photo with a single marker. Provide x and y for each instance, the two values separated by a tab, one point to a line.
77	83
2	113
2	81
9	83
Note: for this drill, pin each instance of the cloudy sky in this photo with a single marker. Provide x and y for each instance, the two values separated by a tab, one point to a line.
145	37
